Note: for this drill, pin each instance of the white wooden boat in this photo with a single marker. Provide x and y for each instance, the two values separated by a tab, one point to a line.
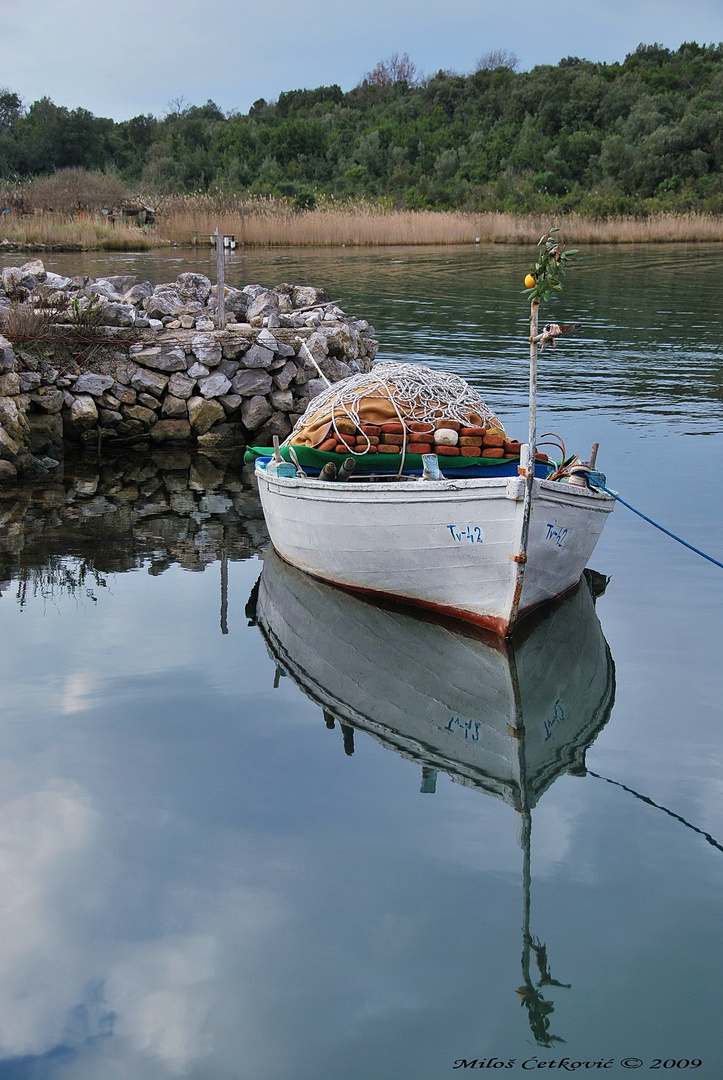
469	548
488	549
507	718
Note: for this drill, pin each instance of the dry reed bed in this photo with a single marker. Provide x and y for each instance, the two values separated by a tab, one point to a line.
75	234
269	226
264	223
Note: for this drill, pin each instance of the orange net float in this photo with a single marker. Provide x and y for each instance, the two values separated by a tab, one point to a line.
493	441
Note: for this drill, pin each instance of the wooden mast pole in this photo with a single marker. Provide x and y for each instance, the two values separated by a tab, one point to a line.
532	436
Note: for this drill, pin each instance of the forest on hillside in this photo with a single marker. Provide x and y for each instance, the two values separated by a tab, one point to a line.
636	137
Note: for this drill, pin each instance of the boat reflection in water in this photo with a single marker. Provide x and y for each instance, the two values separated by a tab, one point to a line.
505	717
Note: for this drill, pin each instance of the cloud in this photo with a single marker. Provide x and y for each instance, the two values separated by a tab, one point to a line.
235	54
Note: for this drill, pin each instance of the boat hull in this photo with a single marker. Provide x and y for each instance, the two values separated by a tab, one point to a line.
447	545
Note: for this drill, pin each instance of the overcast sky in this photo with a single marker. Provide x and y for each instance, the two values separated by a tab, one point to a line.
139	56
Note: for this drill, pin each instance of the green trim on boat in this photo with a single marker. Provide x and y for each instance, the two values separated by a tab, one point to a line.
316	459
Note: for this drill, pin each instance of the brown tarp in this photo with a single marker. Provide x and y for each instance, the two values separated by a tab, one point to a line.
371	410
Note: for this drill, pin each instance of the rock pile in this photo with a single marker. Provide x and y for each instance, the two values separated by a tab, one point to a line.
159	369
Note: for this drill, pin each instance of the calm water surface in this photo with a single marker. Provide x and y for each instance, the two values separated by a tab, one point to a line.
202	880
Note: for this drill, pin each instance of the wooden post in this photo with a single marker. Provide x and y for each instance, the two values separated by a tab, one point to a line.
521	556
220	282
532	434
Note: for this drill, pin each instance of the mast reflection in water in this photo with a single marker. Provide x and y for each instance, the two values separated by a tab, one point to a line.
505	717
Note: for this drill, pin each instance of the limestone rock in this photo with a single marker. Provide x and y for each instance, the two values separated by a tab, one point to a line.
231	402
254	412
161	358
228	368
314	387
162	302
138	293
236	303
10	384
29	467
90	383
334	369
198	371
125	395
267	339
306	296
214	386
13	420
140	413
317	346
284	377
181	386
49	399
264	304
282	400
120	282
174	408
82	415
203	413
279	424
109	417
192	286
148	382
8	360
248	383
206	350
103	288
171	431
29	380
258	357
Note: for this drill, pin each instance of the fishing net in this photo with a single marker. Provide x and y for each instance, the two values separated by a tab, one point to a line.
393	392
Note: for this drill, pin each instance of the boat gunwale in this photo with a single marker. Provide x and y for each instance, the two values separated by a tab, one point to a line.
432	488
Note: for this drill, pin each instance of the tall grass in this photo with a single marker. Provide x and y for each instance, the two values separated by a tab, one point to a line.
274	224
264	222
70	233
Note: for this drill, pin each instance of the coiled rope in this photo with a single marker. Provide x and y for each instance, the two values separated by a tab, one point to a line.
655	523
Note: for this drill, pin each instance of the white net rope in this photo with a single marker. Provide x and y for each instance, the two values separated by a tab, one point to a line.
417	393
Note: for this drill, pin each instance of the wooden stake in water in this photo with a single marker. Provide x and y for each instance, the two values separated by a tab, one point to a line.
220	282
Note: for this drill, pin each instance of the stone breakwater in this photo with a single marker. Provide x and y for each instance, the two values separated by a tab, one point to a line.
110	362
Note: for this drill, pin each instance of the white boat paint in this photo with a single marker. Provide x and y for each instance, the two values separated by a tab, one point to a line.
449	545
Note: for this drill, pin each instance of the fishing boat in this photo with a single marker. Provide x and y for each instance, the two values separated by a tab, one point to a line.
465	522
486	540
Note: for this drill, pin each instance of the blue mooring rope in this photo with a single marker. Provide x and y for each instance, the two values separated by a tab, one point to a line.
651	522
